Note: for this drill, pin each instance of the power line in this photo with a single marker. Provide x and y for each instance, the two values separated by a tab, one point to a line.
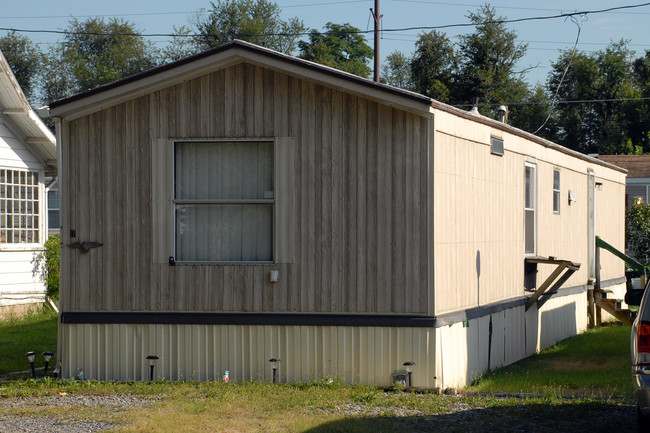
574	101
444	26
499	7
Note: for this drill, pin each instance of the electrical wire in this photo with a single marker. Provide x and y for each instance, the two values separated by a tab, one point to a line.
444	26
557	90
574	101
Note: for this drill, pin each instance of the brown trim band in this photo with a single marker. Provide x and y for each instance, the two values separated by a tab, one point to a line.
279	319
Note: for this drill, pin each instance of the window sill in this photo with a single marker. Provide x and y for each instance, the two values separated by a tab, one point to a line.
21	247
224	263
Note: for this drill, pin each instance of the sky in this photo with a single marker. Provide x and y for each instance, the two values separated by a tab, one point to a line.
545	37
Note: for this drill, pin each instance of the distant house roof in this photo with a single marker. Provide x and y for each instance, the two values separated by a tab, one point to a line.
636	165
13	104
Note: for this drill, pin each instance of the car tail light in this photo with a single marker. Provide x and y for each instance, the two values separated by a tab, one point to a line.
643	343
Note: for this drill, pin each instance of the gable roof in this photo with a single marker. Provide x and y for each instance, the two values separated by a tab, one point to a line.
636	165
237	51
219	58
33	132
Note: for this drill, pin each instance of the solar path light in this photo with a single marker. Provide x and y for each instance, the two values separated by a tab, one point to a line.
408	365
152	362
47	355
275	364
31	357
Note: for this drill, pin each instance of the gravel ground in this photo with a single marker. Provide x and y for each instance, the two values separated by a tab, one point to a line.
460	415
46	424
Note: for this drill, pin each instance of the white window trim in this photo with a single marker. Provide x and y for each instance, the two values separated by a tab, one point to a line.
557	191
32	246
174	202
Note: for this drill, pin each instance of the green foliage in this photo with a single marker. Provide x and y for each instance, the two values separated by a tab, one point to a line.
637	231
434	65
605	75
52	265
25	60
255	21
487	60
396	71
96	52
181	46
341	46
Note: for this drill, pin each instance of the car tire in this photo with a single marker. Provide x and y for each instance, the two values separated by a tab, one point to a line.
643	423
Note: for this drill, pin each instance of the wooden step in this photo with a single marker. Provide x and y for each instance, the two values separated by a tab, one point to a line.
613	307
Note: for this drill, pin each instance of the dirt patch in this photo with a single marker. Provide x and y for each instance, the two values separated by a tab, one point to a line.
569	365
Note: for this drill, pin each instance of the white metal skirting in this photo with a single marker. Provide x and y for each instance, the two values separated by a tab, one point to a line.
203	352
465	351
448	356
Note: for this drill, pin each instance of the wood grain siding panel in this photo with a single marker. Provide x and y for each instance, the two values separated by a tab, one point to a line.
95	211
108	199
372	208
351	182
360	183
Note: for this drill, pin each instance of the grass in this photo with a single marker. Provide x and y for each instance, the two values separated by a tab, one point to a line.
19	335
596	362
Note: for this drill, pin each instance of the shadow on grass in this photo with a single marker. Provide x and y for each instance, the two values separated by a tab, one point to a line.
574	417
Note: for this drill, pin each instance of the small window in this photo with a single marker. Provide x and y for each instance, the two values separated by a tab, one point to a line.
53	209
497	146
19	207
556	191
224	200
530	205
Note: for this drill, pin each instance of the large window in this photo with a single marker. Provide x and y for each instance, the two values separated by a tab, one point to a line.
530	202
223	201
19	210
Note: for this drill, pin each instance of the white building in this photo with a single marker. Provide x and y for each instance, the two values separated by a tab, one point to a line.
27	156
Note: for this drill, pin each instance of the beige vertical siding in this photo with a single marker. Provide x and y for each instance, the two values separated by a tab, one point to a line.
203	352
359	237
478	208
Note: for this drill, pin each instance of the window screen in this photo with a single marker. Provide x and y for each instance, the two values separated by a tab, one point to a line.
223	199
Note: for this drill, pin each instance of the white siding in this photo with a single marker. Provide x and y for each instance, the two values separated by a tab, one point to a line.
20	279
13	153
464	353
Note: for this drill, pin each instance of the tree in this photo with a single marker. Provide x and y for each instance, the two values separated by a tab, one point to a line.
639	111
96	52
25	60
637	231
487	61
534	114
599	125
434	65
396	71
255	21
341	46
180	47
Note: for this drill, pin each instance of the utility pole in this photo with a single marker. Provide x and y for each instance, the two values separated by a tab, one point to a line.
377	17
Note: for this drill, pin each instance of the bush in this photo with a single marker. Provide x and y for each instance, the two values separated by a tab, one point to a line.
52	265
637	231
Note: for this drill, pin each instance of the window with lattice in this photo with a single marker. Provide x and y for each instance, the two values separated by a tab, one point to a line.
19	207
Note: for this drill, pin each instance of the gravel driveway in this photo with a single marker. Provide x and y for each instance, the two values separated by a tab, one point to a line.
460	415
46	424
